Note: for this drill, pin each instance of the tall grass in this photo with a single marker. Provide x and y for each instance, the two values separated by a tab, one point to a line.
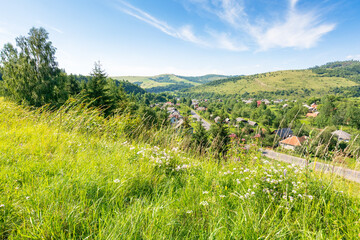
71	174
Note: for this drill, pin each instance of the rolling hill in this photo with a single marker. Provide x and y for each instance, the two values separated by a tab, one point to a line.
316	80
169	82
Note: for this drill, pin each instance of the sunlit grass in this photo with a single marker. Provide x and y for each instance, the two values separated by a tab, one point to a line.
71	174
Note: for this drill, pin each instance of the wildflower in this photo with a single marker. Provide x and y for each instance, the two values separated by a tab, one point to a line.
139	152
132	148
2	205
252	193
222	196
204	203
238	181
189	211
205	192
300	196
116	180
310	197
291	198
285	172
27	198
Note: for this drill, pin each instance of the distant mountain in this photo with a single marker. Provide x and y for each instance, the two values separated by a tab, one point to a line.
169	82
313	81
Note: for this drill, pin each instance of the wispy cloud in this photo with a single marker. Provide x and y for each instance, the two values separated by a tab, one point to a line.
185	32
296	29
47	26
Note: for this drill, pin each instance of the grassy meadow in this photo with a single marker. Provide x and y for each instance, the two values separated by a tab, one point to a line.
71	174
150	82
274	81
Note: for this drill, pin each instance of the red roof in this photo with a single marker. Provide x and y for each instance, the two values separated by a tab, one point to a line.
294	141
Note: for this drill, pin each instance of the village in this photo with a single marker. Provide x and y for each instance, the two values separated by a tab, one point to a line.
285	138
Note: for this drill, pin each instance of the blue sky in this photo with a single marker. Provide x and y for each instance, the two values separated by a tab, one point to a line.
189	37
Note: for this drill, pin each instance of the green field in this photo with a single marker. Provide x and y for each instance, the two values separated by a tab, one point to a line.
71	174
274	81
168	79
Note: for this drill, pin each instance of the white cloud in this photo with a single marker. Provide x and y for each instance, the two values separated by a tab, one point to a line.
353	57
186	32
296	30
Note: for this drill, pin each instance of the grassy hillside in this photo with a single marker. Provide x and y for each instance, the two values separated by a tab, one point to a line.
275	81
70	174
169	82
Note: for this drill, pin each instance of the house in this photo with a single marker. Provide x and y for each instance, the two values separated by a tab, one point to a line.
251	123
284	133
267	102
201	109
314	115
292	142
239	119
217	119
169	103
314	105
342	136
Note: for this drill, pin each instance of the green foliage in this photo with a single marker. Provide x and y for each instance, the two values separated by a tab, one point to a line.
30	73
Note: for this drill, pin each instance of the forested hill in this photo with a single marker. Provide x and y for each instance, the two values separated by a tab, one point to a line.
169	82
336	76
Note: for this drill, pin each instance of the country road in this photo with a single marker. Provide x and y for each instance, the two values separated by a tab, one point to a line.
326	168
199	118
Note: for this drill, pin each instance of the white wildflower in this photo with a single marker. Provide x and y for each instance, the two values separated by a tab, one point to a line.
2	205
27	198
222	196
116	180
310	197
189	211
204	203
205	192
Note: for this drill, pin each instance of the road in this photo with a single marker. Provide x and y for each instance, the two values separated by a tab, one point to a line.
199	118
346	173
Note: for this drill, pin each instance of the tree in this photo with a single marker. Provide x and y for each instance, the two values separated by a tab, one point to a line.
200	136
72	86
220	139
96	88
30	73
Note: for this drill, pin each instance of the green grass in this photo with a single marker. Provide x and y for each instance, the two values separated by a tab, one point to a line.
273	81
70	174
168	79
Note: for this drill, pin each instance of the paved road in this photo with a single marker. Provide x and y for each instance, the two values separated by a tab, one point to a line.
199	118
343	172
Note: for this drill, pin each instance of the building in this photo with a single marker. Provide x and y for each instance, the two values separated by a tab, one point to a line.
251	123
342	136
284	133
314	114
292	142
217	119
239	119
